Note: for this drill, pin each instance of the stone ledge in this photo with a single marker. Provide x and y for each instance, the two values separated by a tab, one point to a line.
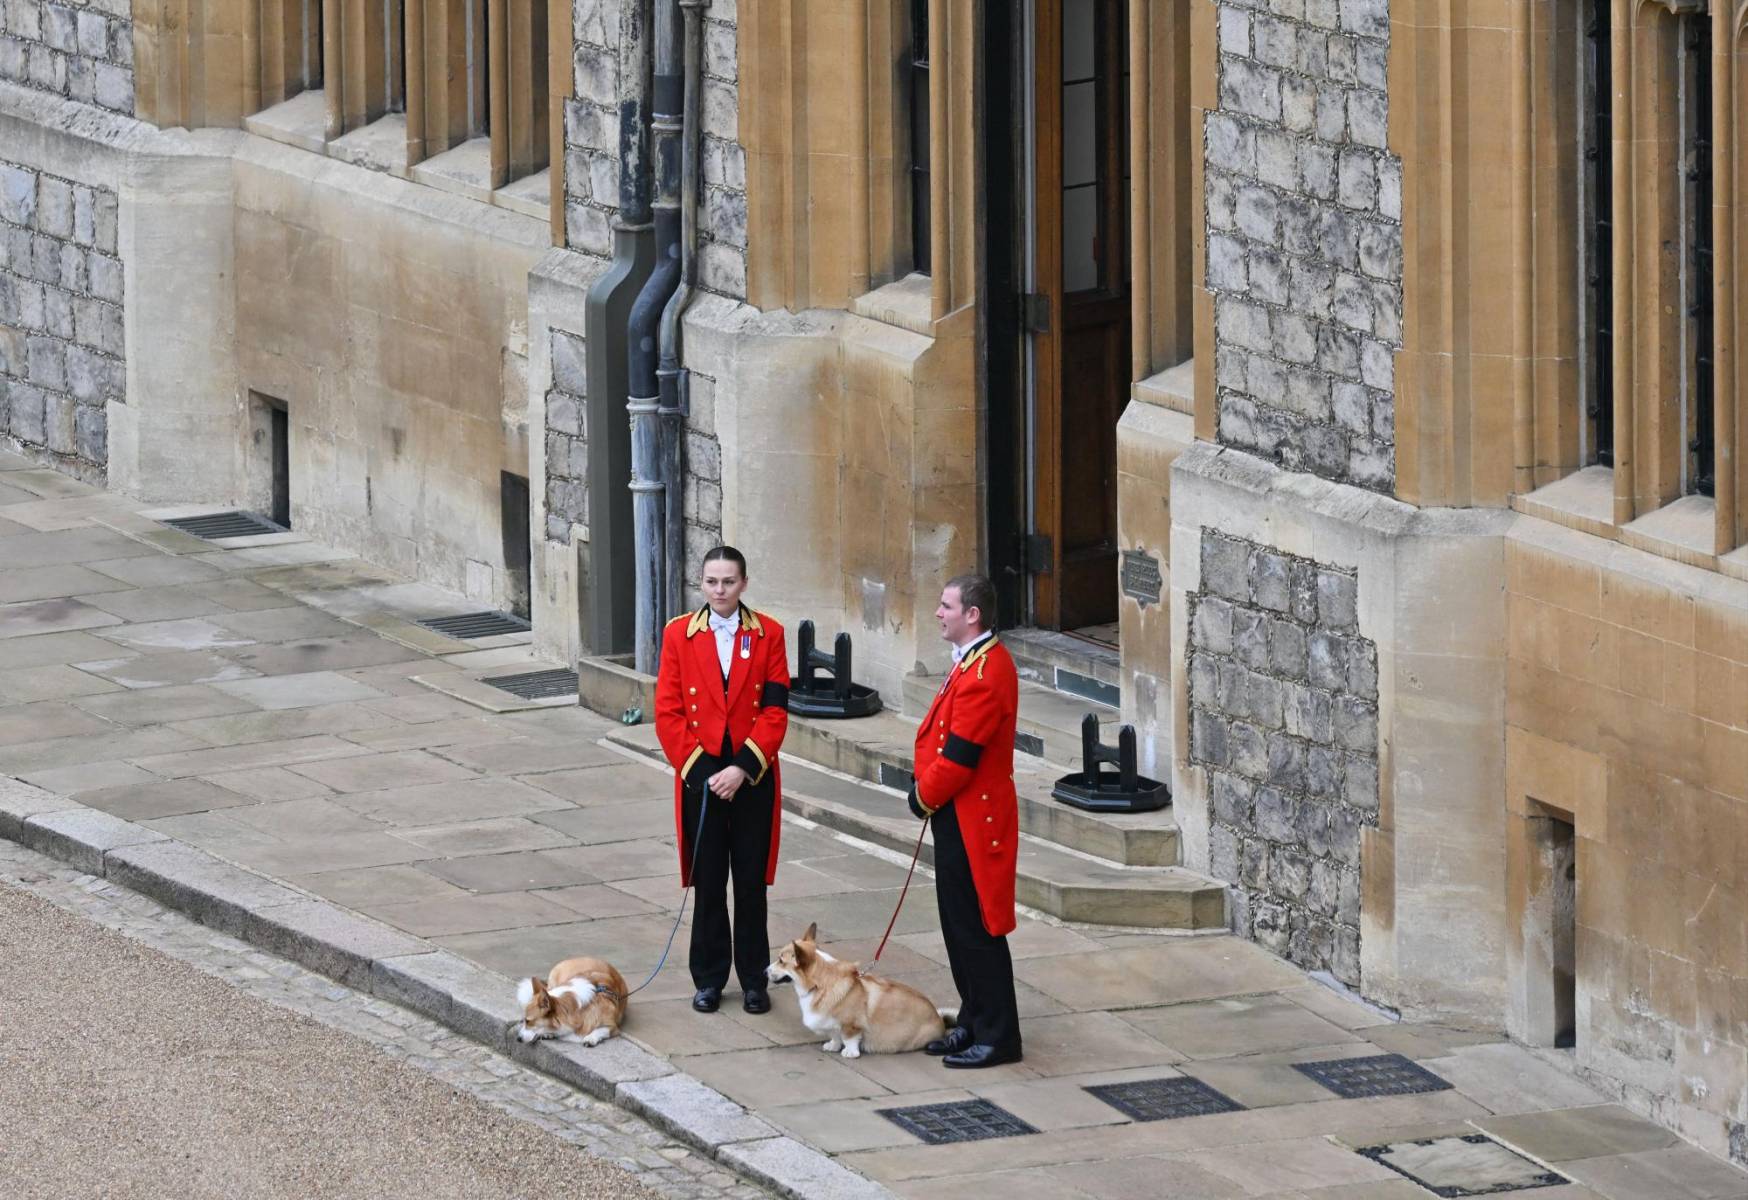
695	1113
792	1169
382	961
82	836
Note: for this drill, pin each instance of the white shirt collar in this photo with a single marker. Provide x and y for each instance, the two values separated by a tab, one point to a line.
959	652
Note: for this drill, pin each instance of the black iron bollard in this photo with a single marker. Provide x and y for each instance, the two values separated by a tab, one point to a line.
838	696
1098	790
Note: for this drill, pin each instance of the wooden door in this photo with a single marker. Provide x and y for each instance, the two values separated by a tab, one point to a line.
1080	315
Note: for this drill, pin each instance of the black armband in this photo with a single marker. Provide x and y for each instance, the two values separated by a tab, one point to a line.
962	753
774	695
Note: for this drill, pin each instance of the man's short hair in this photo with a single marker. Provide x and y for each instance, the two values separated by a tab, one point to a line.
976	591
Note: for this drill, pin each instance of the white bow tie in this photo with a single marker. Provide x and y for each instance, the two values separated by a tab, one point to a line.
726	624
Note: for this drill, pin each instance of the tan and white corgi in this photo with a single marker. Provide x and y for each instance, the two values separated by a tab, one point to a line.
582	1000
856	1011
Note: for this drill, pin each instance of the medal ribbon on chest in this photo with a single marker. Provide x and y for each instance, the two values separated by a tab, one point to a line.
746	645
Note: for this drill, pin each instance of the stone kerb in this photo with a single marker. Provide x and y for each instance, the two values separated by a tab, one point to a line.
379	960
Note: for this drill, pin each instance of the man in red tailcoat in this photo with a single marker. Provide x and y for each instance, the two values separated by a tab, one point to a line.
722	696
965	786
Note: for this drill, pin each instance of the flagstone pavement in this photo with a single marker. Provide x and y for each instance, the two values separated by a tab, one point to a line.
268	701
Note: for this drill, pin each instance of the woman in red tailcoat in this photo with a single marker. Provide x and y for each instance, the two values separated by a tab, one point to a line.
722	696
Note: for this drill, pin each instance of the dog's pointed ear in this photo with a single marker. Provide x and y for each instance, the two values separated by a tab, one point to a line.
525	991
804	952
812	934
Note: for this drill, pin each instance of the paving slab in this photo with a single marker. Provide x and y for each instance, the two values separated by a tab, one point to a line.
321	654
71	781
1237	1025
459	800
467	913
300	691
162	705
42	583
51	616
219	759
269	783
156	670
37	722
374	772
1560	1135
283	723
148	801
167	603
153	570
495	835
188	633
1675	1173
30	684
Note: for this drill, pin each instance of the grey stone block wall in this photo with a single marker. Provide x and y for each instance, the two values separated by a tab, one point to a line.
83	51
1284	717
703	498
567	438
62	348
592	144
1304	250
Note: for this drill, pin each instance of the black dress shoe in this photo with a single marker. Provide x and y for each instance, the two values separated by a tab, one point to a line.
707	1000
982	1056
756	1000
957	1039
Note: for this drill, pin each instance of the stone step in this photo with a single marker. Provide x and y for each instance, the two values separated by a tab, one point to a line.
879	749
1067	663
1073	887
1049	721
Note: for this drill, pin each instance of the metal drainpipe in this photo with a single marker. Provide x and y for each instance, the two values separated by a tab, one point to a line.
608	609
669	374
643	403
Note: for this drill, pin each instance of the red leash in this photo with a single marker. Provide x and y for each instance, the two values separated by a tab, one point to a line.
914	855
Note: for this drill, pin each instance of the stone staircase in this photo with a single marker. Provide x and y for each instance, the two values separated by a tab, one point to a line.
851	776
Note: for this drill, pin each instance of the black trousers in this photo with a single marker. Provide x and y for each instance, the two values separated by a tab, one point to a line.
983	970
736	844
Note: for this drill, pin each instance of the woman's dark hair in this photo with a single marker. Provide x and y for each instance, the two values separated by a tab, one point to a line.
726	554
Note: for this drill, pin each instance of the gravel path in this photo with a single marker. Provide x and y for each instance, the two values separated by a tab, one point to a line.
125	1072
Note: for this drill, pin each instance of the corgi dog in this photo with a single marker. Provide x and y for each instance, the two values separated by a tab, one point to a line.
582	1000
855	1011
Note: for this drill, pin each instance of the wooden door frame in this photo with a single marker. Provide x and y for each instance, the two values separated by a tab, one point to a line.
1045	252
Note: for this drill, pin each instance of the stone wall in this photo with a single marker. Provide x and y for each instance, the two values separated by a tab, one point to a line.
84	52
567	438
1304	251
1283	697
703	487
1628	721
62	344
592	144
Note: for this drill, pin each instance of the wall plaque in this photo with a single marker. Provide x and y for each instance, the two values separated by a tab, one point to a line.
1141	577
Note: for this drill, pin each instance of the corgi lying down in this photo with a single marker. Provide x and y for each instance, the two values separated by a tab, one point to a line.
582	1000
857	1012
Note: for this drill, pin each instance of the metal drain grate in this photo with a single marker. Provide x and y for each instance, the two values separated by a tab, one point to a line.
213	526
1380	1075
1164	1099
538	685
1463	1165
468	626
959	1121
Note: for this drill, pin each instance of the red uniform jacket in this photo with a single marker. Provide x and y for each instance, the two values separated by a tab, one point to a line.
692	711
965	757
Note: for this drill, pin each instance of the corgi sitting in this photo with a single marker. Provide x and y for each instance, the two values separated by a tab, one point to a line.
856	1011
582	1000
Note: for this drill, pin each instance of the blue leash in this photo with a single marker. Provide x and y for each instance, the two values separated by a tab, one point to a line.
691	873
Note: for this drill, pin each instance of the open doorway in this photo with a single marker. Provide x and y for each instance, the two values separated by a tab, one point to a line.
513	502
1062	103
269	468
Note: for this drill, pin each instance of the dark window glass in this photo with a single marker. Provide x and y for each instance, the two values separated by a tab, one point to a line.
919	134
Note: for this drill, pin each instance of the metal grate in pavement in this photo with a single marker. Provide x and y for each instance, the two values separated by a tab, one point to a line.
958	1121
1463	1165
537	685
1379	1075
213	526
1164	1099
476	625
